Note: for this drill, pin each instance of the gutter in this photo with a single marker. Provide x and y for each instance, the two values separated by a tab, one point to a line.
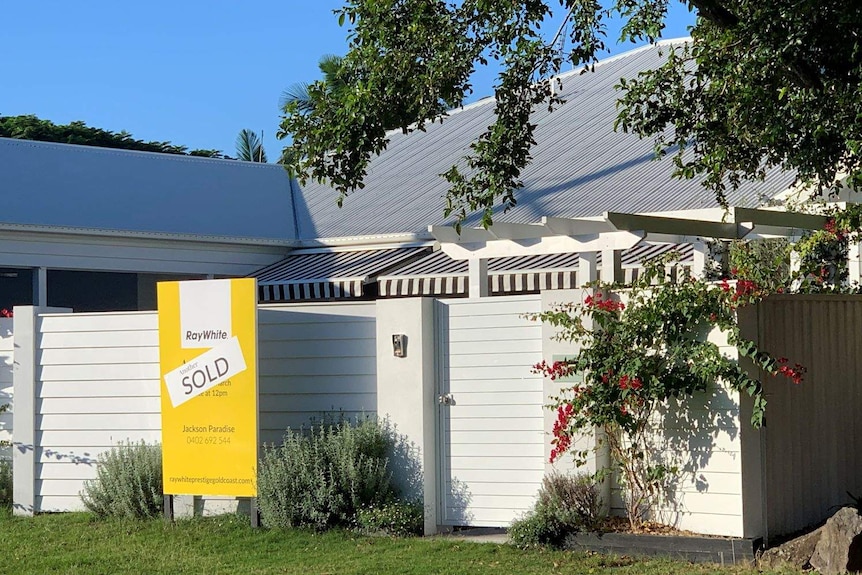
396	240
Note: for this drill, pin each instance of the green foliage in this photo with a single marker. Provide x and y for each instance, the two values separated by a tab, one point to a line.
335	81
128	484
249	148
396	518
32	128
764	84
823	253
321	479
5	484
566	504
637	355
765	262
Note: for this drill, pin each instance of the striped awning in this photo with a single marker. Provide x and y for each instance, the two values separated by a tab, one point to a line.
437	274
318	275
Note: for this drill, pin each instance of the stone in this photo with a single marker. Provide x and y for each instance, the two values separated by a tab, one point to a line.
795	553
839	549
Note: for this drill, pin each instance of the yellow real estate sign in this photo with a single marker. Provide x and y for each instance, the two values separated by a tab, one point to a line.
208	357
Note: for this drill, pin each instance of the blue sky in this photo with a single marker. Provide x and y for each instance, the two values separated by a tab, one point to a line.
191	72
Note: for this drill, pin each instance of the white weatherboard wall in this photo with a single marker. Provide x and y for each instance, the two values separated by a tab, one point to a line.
316	361
7	349
492	432
94	380
700	436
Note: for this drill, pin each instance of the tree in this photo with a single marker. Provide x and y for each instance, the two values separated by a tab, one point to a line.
249	148
334	81
762	84
302	100
30	127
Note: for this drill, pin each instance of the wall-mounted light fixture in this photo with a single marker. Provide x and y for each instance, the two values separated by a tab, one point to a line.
399	345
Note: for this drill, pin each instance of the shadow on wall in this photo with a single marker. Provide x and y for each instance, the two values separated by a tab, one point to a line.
693	430
83	459
458	498
405	464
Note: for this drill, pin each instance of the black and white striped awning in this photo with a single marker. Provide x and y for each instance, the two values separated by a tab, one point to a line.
329	274
437	274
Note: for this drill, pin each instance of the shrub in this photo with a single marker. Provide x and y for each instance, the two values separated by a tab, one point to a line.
573	498
566	504
129	482
399	519
5	484
322	478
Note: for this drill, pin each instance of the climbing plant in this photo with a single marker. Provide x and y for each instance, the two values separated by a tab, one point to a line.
635	355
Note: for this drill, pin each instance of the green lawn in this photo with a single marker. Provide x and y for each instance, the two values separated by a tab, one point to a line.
78	543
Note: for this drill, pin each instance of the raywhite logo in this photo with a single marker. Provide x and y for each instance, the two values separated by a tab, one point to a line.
205	371
205	313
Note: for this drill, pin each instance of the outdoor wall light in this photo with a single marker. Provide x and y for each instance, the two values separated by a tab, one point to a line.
399	345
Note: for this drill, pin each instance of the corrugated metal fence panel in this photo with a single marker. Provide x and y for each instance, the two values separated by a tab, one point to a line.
812	457
7	348
493	437
98	383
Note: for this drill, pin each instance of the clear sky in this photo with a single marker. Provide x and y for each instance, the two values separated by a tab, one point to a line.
190	72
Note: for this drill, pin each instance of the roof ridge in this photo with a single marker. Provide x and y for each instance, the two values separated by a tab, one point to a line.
141	153
576	71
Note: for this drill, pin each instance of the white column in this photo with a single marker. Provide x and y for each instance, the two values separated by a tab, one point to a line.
24	411
40	287
25	328
854	265
478	277
612	266
701	256
407	396
587	269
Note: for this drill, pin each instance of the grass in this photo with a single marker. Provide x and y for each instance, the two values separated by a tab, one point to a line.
80	544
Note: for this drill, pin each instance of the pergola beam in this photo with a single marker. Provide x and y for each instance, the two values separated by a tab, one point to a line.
615	231
676	226
542	246
783	222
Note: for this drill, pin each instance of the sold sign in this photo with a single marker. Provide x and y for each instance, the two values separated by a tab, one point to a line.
205	371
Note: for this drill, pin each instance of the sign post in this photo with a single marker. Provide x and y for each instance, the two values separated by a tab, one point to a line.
208	357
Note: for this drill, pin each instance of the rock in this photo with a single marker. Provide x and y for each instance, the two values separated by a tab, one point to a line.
839	549
796	553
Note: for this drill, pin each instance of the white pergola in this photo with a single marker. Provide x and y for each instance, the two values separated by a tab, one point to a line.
613	233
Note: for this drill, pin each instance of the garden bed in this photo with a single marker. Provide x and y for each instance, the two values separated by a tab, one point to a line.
695	548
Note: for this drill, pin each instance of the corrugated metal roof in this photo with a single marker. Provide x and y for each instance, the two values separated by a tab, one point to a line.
580	167
48	184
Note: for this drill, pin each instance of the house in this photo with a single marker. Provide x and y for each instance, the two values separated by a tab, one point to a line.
338	284
95	228
580	168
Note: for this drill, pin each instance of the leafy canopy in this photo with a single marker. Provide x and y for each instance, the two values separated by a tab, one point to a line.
763	84
30	127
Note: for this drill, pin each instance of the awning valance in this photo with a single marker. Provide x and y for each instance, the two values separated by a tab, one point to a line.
436	274
318	274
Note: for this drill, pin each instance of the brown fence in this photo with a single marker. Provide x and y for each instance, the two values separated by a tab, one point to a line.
811	441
